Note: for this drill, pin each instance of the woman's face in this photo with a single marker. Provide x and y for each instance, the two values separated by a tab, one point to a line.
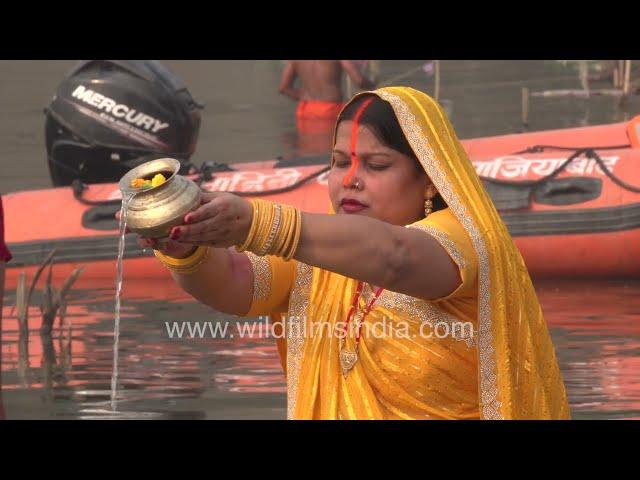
386	184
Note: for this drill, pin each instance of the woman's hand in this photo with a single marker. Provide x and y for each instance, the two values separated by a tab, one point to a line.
167	247
171	248
222	220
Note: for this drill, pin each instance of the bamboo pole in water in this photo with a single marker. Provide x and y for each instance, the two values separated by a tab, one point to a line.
627	77
584	75
349	87
525	106
620	73
375	66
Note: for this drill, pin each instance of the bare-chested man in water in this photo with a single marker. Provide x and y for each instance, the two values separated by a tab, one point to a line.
319	98
320	92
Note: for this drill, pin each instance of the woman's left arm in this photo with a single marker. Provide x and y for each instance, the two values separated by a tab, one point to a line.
403	260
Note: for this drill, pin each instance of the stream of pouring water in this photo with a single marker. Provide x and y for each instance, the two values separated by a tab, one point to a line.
116	332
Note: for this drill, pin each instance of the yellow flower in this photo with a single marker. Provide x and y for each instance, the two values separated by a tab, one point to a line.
158	180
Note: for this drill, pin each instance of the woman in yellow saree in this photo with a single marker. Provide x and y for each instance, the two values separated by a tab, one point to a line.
411	302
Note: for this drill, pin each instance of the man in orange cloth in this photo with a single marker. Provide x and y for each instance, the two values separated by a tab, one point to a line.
5	256
319	97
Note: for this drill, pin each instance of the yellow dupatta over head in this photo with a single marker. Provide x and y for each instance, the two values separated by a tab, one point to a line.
518	376
510	373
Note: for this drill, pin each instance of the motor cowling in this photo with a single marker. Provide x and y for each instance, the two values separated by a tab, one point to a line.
108	116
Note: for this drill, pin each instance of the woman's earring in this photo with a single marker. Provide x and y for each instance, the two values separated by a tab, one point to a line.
428	207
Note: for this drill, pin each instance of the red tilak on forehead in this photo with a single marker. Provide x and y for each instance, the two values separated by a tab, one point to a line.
354	140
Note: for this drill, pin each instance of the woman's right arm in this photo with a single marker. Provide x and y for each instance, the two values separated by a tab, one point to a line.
241	284
224	281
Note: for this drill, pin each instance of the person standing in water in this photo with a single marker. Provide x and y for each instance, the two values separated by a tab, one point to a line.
412	246
320	97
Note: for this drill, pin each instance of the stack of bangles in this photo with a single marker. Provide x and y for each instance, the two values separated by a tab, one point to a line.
275	230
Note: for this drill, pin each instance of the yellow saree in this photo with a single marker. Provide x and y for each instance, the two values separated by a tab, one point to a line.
483	352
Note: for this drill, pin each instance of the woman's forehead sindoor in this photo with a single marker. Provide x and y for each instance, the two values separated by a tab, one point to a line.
354	140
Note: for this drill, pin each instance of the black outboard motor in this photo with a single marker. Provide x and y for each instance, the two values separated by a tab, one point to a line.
109	116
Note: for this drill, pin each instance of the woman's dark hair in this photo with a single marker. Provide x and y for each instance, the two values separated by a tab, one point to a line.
381	119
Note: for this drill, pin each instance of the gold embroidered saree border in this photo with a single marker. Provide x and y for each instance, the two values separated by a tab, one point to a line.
490	403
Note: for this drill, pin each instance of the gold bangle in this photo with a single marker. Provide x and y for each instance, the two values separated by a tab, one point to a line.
252	228
184	266
296	239
291	233
279	244
274	229
258	220
264	226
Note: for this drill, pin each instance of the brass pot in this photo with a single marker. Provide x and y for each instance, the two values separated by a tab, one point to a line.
153	212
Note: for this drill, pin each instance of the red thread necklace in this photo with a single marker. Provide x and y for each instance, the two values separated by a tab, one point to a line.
348	358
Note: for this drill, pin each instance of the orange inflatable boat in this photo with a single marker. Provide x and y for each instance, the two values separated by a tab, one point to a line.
570	199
